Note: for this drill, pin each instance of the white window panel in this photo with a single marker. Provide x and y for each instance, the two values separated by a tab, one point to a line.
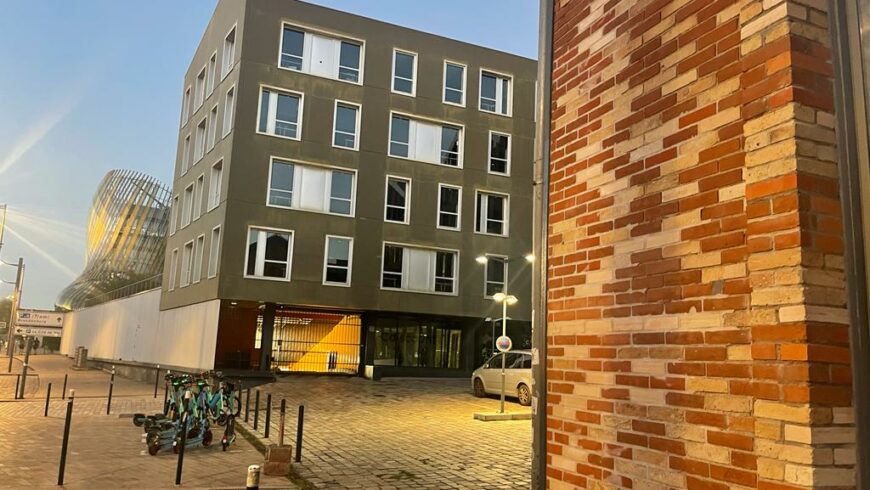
229	110
188	206
186	264
173	269
269	253
214	185
197	258
173	216
338	260
198	197
418	269
310	187
212	128
229	54
428	142
324	56
214	252
421	269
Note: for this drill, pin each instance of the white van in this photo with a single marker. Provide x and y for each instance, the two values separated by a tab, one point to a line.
486	380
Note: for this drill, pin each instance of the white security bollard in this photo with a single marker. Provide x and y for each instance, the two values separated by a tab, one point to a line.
253	482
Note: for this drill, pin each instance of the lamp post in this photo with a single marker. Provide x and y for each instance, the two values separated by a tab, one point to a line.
505	300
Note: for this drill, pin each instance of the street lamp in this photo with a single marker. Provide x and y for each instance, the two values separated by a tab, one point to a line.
505	300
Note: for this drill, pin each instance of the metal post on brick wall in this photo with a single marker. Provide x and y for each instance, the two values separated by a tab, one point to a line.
63	391
47	399
257	410
247	404
268	414
111	387
300	424
65	443
281	423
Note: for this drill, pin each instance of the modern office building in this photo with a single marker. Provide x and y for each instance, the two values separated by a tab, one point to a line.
338	180
126	239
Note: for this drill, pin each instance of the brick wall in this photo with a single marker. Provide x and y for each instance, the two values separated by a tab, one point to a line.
697	323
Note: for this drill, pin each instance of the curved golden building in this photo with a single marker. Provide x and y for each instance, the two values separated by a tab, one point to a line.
126	235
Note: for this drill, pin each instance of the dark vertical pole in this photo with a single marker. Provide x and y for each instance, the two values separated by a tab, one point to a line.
28	342
256	409
300	423
17	385
181	449
247	404
266	337
156	380
47	399
63	392
165	399
111	387
268	414
281	423
65	444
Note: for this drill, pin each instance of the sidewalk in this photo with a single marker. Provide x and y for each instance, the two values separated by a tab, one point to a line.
105	452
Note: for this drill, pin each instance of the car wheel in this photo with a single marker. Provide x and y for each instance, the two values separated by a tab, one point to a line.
479	391
525	395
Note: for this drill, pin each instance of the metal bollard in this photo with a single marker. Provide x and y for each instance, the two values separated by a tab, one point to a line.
300	423
47	399
253	480
184	429
17	385
165	399
281	424
156	380
268	414
63	391
257	410
111	387
65	444
247	404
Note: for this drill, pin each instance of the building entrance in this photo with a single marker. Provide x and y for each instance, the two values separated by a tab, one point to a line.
314	341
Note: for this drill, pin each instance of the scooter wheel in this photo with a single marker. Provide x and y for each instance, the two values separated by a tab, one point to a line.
222	420
153	449
138	419
206	438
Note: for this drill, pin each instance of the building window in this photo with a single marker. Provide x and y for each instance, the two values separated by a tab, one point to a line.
269	252
173	269
185	106
338	258
173	216
214	251
454	83
404	72
492	212
495	93
185	155
197	258
188	206
321	55
199	93
212	74
426	141
229	55
280	114
214	184
212	126
198	196
499	153
449	206
186	263
346	125
398	200
419	269
311	188
408	343
199	143
496	275
229	110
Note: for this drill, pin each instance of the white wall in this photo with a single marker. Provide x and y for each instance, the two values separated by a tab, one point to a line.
134	329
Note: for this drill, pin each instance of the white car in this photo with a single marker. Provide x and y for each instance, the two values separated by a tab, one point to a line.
486	380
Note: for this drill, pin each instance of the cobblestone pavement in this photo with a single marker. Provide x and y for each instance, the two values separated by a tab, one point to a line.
400	433
105	451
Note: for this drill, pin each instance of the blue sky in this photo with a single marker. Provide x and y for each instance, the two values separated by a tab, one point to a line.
92	85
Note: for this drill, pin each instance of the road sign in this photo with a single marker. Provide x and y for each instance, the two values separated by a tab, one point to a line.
503	343
39	318
38	331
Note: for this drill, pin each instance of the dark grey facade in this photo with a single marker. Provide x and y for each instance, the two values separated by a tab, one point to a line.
246	154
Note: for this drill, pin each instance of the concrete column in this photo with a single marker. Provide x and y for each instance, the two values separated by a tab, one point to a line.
268	334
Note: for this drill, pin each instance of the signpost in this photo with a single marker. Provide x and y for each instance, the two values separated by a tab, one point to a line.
39	318
504	343
38	331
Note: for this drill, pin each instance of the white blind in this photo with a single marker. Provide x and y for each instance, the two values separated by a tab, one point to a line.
310	185
324	55
421	268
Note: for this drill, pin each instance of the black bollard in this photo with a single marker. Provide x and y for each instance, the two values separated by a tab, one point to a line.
47	399
281	423
247	404
111	386
17	385
65	444
165	399
257	410
300	423
63	391
184	429
156	380
268	414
